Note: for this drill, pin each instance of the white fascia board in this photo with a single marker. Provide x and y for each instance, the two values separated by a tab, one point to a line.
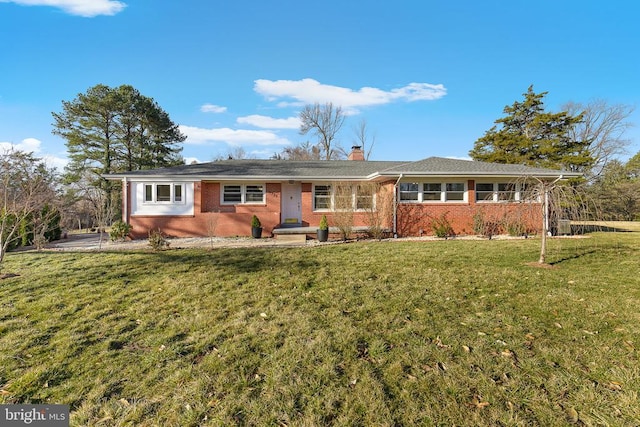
482	175
235	178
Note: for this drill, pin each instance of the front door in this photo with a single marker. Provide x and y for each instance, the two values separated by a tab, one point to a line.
291	203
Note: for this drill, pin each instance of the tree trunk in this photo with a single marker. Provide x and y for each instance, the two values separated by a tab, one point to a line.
545	225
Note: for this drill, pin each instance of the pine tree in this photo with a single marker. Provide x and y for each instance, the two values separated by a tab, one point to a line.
531	136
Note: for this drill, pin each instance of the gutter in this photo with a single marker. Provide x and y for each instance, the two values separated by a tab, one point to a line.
125	200
395	206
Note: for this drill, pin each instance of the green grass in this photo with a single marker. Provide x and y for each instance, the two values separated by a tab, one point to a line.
370	333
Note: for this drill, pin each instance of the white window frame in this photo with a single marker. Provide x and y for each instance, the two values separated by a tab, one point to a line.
332	201
496	192
173	200
371	198
422	190
243	193
328	197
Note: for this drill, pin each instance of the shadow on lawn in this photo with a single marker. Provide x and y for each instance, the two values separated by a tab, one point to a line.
237	260
240	260
577	255
578	229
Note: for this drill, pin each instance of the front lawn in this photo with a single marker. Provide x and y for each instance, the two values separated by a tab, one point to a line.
370	333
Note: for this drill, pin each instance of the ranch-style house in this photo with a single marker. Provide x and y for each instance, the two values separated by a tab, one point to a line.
406	198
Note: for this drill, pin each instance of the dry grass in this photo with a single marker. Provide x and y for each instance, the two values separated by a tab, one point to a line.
373	333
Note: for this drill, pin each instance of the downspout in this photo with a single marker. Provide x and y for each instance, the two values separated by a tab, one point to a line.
546	203
395	207
125	200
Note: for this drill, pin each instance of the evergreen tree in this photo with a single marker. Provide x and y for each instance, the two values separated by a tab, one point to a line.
531	136
116	129
109	130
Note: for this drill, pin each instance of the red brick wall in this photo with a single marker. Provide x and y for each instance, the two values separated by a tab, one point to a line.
360	219
413	219
213	218
416	219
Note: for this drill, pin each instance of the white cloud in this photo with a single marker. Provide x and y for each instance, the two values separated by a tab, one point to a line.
309	91
86	8
191	160
33	145
267	122
211	108
29	145
56	162
234	137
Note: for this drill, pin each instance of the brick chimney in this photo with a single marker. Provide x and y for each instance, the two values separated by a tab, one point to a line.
356	153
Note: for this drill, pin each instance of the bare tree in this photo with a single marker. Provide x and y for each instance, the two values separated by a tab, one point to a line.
212	225
27	195
237	153
304	151
604	126
324	121
363	139
102	211
343	208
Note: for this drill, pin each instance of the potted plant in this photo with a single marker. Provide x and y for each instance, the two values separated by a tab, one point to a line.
256	227
323	230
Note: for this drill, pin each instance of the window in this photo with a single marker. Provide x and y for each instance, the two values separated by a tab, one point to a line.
484	192
454	191
254	194
364	197
177	193
321	197
163	193
529	193
409	191
148	193
240	194
506	192
502	192
432	192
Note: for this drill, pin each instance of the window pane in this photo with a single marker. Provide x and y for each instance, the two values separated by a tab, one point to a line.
484	192
254	193
409	191
163	193
455	191
506	192
232	194
322	197
364	197
148	193
177	193
431	191
529	192
456	186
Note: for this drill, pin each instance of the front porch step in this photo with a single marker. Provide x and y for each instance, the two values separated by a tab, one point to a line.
291	238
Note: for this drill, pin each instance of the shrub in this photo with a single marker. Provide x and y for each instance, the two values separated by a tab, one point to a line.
442	227
255	222
324	225
486	227
516	228
157	240
39	241
119	230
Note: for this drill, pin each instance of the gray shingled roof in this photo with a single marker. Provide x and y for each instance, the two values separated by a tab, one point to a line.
336	169
443	166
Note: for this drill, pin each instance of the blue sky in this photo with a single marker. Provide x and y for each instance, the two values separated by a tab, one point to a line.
428	77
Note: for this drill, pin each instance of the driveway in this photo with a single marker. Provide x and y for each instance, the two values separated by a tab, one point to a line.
91	242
